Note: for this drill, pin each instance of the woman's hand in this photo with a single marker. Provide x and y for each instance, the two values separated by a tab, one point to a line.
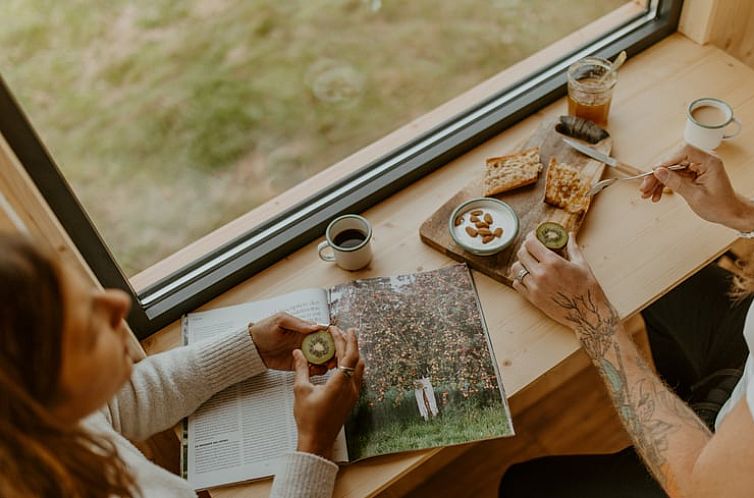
321	410
704	185
277	336
564	289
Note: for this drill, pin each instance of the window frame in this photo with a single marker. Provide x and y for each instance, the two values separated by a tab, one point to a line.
168	299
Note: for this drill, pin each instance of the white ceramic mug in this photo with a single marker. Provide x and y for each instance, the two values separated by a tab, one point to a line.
349	239
708	135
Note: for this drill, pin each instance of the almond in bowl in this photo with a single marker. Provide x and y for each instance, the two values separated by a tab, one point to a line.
483	226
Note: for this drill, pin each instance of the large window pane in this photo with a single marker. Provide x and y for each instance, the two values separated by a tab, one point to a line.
172	117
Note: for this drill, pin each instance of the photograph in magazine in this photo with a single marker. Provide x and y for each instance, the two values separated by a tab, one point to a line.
431	378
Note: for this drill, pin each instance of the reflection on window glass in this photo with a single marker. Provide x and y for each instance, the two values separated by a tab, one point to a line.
172	117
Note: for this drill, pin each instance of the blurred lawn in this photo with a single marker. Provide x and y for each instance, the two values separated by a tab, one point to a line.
173	117
454	426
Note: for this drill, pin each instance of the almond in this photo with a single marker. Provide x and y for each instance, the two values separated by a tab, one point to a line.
474	219
471	232
488	218
481	224
459	220
477	212
486	239
498	232
484	231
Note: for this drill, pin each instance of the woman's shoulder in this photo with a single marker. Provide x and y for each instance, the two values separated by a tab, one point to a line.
99	421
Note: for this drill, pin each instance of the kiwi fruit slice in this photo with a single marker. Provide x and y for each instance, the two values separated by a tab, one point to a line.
553	235
319	347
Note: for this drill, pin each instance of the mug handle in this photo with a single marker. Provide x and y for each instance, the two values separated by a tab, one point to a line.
330	258
738	130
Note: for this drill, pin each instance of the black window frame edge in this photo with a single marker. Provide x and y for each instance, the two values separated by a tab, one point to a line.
160	312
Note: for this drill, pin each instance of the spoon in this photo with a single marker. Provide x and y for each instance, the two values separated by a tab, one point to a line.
602	185
617	63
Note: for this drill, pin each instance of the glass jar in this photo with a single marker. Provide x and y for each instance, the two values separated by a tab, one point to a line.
590	89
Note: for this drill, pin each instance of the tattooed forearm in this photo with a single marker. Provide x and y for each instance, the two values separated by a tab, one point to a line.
651	413
658	422
594	326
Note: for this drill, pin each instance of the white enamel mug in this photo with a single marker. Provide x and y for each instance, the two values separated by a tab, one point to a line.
349	239
708	136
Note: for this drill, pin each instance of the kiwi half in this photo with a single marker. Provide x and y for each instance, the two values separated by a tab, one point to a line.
553	235
318	348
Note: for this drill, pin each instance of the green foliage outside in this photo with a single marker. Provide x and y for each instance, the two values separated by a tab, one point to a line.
173	117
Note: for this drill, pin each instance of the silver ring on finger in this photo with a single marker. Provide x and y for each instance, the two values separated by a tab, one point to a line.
521	275
347	371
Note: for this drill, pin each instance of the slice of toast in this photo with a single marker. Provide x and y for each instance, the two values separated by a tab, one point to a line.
512	171
565	188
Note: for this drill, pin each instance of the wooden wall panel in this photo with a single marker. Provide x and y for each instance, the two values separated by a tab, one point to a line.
733	29
728	24
696	19
6	224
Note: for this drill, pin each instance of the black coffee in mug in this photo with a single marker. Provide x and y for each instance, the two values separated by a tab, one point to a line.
349	238
348	242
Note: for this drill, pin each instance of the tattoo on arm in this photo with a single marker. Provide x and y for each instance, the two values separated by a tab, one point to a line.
650	411
595	330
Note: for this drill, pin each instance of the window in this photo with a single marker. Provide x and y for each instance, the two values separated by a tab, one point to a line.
194	142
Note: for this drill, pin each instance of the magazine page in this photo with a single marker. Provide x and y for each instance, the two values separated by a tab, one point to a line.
431	378
242	432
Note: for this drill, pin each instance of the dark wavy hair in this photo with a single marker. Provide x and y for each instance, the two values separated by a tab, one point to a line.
39	455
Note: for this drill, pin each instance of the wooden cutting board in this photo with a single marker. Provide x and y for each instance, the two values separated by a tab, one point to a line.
528	202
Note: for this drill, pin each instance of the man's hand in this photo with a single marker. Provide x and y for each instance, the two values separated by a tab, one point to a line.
278	336
321	411
562	288
704	185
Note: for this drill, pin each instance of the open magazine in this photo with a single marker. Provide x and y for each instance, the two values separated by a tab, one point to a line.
431	377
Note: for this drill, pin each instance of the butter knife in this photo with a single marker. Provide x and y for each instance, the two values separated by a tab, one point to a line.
604	158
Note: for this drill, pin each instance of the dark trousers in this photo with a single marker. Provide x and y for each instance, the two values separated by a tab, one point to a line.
696	336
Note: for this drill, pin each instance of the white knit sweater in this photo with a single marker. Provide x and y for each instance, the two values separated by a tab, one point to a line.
167	387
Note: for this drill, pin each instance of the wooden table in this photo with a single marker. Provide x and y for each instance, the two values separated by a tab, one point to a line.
638	250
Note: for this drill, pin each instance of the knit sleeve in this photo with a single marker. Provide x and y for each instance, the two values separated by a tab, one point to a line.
303	475
167	387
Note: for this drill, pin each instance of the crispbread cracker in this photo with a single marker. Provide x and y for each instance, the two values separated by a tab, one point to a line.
512	171
565	188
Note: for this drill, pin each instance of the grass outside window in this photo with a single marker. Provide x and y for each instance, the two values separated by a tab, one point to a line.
171	118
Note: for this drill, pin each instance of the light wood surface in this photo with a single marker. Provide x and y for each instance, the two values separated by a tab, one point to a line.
527	202
637	250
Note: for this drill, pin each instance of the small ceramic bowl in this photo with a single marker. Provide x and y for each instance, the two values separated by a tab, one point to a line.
503	216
